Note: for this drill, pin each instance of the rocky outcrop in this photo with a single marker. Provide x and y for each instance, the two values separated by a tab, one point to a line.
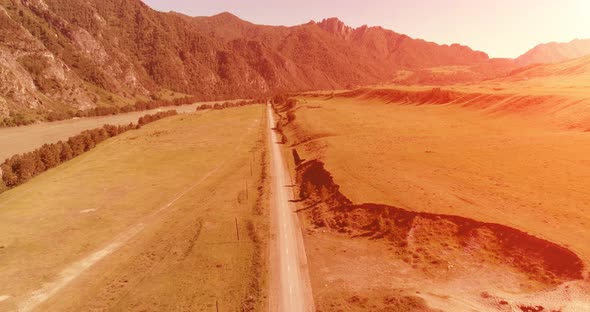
31	76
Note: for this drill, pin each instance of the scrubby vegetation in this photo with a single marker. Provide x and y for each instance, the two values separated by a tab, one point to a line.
20	168
15	119
35	66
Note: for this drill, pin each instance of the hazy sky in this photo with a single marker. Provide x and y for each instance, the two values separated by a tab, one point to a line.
501	28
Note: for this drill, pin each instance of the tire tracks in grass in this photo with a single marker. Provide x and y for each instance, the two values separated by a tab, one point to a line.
74	270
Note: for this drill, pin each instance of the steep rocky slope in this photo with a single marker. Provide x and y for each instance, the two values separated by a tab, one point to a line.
63	54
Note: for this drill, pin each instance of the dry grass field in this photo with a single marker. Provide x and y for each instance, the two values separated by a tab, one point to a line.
478	206
144	222
16	140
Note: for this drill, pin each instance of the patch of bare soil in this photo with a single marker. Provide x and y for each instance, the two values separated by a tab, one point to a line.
393	301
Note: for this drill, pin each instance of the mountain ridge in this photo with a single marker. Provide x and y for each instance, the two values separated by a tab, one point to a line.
101	53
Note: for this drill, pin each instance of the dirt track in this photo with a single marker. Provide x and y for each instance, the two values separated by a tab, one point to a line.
290	265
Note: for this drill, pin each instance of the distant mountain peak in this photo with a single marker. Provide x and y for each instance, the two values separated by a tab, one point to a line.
335	26
553	52
226	16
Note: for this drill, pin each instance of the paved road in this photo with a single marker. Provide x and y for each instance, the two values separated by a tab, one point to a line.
294	294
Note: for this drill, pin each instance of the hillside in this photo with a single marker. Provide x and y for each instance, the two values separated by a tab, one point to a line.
554	52
61	54
568	79
569	70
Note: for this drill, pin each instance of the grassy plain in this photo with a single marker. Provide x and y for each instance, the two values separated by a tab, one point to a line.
513	168
16	140
158	208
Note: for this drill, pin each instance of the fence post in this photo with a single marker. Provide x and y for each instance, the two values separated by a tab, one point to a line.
237	230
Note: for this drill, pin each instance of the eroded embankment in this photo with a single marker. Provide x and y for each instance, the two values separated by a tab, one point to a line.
506	102
429	242
440	96
433	241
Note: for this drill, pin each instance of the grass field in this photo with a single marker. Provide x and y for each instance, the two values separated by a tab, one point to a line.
16	140
157	207
511	169
447	160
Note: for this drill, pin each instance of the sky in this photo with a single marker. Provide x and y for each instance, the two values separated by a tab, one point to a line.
501	28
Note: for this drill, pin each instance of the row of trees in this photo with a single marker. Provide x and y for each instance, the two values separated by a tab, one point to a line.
157	116
218	106
22	119
19	119
20	168
114	110
16	119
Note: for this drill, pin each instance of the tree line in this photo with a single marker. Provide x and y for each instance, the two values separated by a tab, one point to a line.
20	119
20	168
218	106
114	110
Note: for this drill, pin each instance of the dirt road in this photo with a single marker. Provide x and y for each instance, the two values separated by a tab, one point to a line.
293	290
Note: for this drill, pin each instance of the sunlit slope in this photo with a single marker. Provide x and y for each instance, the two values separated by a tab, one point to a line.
572	77
554	52
557	93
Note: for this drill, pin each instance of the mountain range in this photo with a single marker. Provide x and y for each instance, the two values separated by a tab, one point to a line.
63	55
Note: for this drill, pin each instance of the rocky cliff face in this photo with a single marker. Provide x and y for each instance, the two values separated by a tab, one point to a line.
31	76
64	54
